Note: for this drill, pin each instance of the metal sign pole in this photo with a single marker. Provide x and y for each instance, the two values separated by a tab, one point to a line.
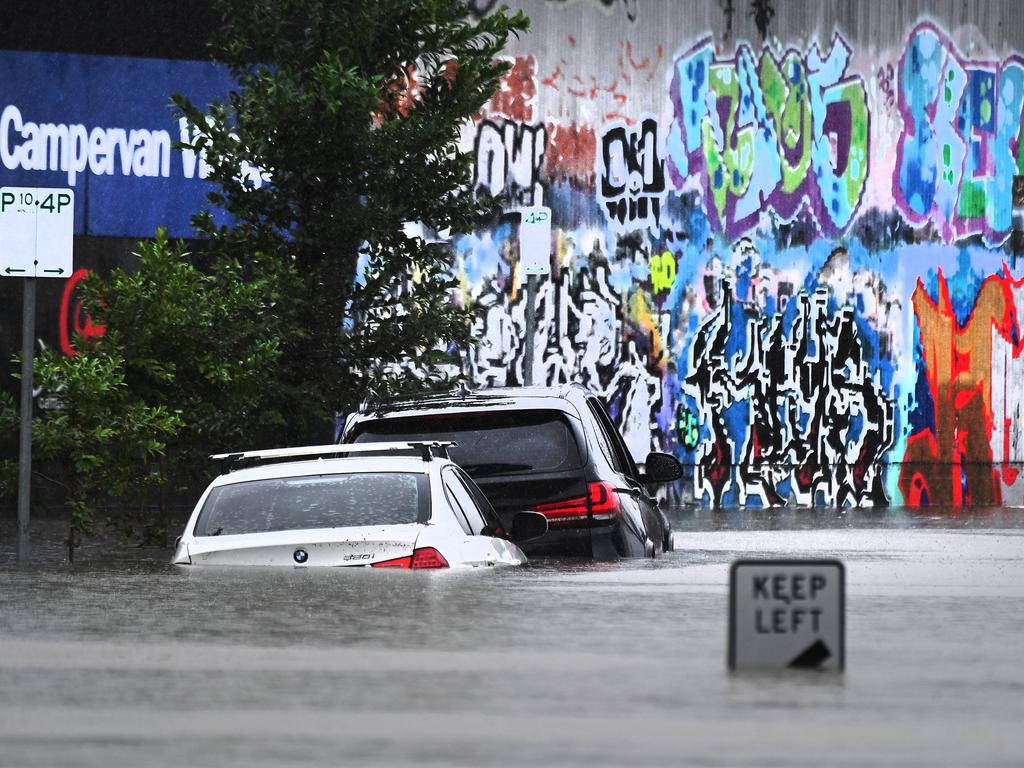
33	248
531	328
28	332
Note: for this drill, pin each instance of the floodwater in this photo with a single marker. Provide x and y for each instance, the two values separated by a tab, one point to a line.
124	660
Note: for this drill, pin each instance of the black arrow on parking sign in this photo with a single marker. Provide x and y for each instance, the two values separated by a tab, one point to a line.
812	657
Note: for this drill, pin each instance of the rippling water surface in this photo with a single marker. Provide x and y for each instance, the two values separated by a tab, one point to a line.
124	660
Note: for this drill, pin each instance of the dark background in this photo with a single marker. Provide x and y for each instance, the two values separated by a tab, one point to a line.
163	29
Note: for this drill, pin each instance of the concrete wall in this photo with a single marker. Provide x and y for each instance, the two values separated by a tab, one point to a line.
789	262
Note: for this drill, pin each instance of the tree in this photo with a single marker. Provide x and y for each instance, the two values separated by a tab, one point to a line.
344	127
204	344
104	437
187	367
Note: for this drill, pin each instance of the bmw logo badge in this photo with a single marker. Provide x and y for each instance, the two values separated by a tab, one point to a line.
301	556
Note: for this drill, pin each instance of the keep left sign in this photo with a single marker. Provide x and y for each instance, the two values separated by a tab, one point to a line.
787	614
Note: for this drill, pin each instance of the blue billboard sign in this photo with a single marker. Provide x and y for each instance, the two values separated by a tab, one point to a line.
105	126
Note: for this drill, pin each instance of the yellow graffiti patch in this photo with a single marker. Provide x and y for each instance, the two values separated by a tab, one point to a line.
663	271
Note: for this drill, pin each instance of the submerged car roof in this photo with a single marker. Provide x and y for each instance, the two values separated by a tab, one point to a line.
564	398
333	466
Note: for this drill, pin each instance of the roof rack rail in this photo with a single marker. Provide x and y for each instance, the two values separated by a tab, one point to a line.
426	450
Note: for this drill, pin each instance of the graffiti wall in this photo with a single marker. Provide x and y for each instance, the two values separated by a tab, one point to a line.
788	259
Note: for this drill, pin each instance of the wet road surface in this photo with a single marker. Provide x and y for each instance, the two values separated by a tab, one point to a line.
126	661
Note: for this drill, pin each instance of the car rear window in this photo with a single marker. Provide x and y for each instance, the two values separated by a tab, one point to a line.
315	501
491	443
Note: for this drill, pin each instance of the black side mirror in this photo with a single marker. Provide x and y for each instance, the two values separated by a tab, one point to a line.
527	526
661	468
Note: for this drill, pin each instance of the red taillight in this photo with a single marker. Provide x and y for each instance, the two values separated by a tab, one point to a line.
604	501
428	557
601	498
424	557
398	562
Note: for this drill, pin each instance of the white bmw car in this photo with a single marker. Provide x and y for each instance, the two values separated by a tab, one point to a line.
389	505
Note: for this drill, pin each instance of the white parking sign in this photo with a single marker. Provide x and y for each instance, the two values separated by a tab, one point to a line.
36	231
787	614
535	240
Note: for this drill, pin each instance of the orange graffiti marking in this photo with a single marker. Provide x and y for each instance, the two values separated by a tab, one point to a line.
516	91
953	464
570	154
622	77
551	81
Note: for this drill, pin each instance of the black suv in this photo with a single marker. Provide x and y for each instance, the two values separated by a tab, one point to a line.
551	450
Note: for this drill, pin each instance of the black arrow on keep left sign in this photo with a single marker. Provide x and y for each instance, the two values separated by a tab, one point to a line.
813	657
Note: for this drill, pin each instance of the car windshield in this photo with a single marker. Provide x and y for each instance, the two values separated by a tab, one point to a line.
490	443
315	501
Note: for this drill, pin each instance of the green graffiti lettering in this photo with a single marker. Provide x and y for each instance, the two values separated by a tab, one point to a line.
790	109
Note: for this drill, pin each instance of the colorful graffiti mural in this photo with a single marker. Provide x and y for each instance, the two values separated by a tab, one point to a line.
796	273
816	420
775	134
969	409
960	147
